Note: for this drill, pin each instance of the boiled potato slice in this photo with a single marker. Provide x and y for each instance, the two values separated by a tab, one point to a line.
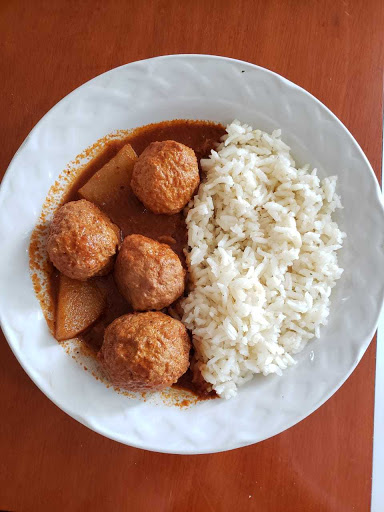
109	182
79	304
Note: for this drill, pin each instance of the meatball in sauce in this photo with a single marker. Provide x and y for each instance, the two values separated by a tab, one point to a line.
148	274
165	177
145	351
82	240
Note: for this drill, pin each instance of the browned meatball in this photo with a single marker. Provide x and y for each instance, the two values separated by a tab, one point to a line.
148	274
145	351
165	176
82	240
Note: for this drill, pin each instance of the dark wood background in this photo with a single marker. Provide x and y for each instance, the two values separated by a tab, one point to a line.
332	48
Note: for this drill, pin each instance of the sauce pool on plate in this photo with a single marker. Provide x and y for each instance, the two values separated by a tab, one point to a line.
127	212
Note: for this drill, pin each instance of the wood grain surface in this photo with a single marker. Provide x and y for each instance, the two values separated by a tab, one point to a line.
48	461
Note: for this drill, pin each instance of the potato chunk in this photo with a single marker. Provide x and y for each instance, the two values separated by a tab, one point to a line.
79	304
110	181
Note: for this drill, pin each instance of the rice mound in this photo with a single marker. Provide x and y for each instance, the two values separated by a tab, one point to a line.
261	256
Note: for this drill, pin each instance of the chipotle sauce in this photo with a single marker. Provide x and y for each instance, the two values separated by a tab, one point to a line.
131	216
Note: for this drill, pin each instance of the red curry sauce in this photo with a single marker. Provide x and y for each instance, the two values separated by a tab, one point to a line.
131	216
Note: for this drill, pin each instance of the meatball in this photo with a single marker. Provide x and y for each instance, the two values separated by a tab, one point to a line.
145	351
148	274
165	176
82	240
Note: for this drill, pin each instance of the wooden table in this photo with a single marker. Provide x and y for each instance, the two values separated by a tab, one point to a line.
48	461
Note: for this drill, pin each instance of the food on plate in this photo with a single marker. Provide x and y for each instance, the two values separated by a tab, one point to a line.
82	240
165	176
148	273
262	258
79	305
145	351
258	240
112	180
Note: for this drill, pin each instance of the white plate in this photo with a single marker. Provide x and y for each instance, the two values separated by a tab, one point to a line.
194	87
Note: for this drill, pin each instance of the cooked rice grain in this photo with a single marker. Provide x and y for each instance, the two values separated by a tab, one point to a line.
262	258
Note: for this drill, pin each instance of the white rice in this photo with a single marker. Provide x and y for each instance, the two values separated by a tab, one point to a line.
262	258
